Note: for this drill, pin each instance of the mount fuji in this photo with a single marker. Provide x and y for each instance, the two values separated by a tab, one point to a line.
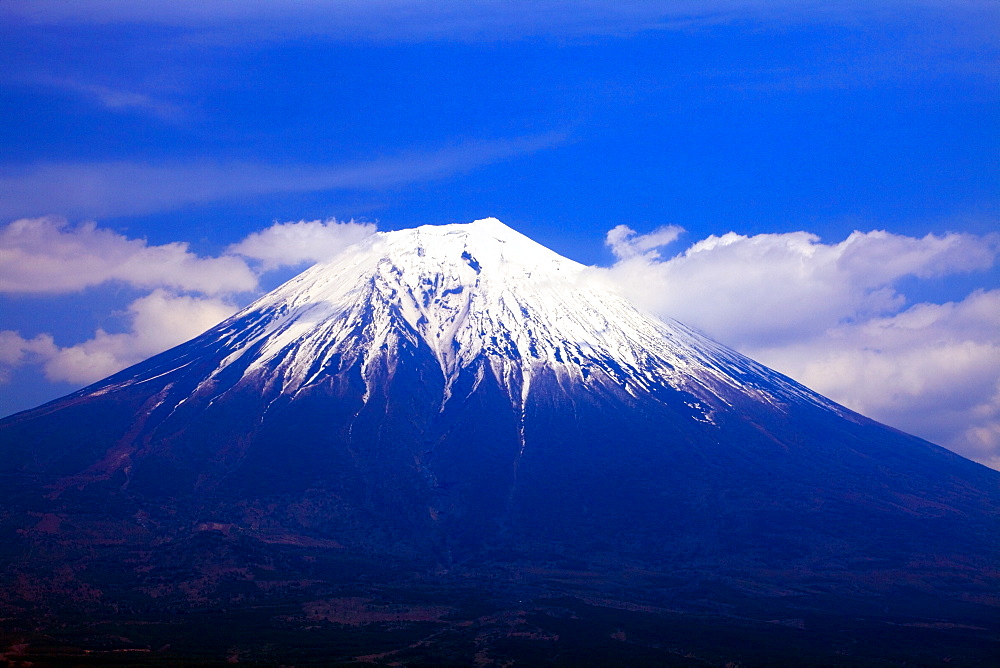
451	445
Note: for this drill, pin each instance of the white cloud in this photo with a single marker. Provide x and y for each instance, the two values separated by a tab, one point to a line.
121	188
768	288
933	370
16	351
158	321
291	244
114	98
46	255
832	316
626	242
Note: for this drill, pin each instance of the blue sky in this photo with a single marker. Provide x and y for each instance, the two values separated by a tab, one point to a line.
144	144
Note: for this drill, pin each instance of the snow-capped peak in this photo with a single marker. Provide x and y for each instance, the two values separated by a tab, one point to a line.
479	296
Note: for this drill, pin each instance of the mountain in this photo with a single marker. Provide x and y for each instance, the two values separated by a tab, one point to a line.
454	420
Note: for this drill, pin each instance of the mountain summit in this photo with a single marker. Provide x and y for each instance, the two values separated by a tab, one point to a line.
484	301
460	398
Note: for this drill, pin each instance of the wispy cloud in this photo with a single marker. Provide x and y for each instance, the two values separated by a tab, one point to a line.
410	20
115	99
120	188
376	19
833	316
625	242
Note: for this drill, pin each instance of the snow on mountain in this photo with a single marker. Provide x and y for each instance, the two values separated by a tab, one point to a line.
476	295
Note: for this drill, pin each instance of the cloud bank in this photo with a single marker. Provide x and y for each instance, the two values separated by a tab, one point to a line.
185	294
832	316
755	291
932	370
47	255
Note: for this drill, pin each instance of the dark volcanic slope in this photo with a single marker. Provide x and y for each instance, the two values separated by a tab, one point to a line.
460	398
